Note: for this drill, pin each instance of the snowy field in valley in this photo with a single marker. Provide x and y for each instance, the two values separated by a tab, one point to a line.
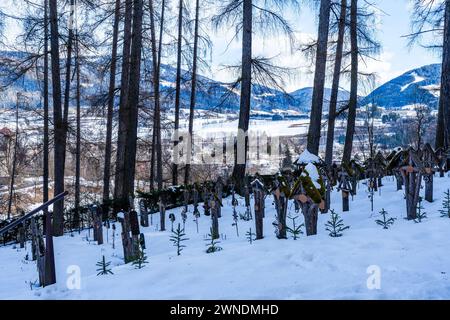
412	258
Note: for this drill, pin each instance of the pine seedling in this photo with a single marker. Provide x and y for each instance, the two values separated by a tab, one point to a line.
177	238
385	223
445	211
235	219
140	260
212	245
420	214
295	231
251	236
103	267
335	226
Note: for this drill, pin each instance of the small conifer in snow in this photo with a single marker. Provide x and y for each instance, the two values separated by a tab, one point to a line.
212	243
235	220
335	226
103	267
295	231
250	236
420	214
385	223
445	211
177	238
141	259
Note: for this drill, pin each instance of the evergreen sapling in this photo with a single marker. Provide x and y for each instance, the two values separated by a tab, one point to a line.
420	214
445	211
385	223
212	245
177	238
250	236
295	231
103	267
235	220
335	226
141	259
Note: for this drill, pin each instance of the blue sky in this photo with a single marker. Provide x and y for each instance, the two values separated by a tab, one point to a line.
395	59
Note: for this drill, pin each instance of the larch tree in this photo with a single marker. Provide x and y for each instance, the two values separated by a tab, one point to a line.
248	16
352	105
319	78
133	98
177	92
110	110
120	179
156	48
58	121
335	82
193	93
363	46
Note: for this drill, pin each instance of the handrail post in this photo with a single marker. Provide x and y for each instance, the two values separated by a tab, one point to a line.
49	271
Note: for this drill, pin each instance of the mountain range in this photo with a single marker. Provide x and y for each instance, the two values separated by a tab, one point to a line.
420	85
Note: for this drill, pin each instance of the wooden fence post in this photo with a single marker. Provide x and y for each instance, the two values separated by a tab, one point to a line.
162	212
143	213
214	204
258	191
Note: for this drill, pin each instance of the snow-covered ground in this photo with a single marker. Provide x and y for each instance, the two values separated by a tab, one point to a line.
412	259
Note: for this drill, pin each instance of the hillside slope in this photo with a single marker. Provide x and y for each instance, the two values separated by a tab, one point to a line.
411	257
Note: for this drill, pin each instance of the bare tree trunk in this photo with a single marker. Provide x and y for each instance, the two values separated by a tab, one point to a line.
68	79
319	78
193	94
46	103
156	57
154	50
353	83
59	131
119	184
177	94
240	157
335	85
49	261
110	112
14	162
76	218
133	100
443	128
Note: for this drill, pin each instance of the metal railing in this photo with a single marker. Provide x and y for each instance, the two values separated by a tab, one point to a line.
17	222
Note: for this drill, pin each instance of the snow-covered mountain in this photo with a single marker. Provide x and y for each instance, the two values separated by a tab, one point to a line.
418	86
211	94
304	97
